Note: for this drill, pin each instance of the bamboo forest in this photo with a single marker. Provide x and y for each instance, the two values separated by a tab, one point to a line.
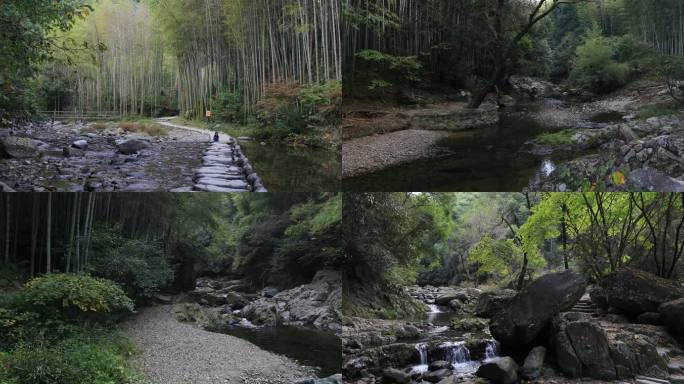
152	288
508	288
513	95
125	95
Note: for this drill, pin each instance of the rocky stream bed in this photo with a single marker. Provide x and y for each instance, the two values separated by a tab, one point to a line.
71	157
556	330
302	323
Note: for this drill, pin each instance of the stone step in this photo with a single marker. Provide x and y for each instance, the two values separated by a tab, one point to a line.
676	379
213	188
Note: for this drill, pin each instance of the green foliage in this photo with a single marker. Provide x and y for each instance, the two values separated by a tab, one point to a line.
26	41
599	66
494	257
383	71
70	298
228	107
139	266
556	138
90	357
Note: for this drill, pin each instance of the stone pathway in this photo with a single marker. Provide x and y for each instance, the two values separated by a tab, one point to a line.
225	168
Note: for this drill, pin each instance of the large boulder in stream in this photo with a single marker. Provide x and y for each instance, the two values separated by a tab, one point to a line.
491	303
634	291
585	347
317	304
531	311
672	314
18	147
130	147
499	370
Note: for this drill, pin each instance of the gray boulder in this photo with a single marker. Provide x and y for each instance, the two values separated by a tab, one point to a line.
18	147
490	303
439	364
408	332
392	375
584	348
534	362
500	370
672	314
634	291
438	375
133	146
317	304
531	311
80	144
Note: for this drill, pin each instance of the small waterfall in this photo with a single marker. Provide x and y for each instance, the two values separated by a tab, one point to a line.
492	349
459	356
434	308
456	352
423	366
547	168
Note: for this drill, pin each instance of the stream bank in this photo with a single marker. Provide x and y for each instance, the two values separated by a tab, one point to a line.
547	138
301	323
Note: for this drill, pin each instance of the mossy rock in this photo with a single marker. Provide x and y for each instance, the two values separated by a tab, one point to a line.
469	324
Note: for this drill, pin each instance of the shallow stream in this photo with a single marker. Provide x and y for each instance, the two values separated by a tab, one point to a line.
285	168
314	348
488	159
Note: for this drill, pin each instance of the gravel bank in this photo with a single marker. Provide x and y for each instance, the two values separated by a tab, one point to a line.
178	353
373	153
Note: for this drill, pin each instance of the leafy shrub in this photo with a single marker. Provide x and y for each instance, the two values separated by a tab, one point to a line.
70	298
138	266
93	357
228	107
597	67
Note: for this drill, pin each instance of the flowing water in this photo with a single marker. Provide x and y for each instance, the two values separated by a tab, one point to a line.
286	168
314	348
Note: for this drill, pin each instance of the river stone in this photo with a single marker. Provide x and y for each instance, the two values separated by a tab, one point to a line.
635	292
18	147
224	176
500	370
435	376
408	332
531	311
80	144
233	184
130	147
392	375
532	369
672	314
654	181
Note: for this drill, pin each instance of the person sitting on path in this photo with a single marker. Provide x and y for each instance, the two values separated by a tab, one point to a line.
216	137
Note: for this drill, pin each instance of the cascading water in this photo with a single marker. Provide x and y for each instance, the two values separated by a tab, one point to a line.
492	349
459	356
423	366
434	308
